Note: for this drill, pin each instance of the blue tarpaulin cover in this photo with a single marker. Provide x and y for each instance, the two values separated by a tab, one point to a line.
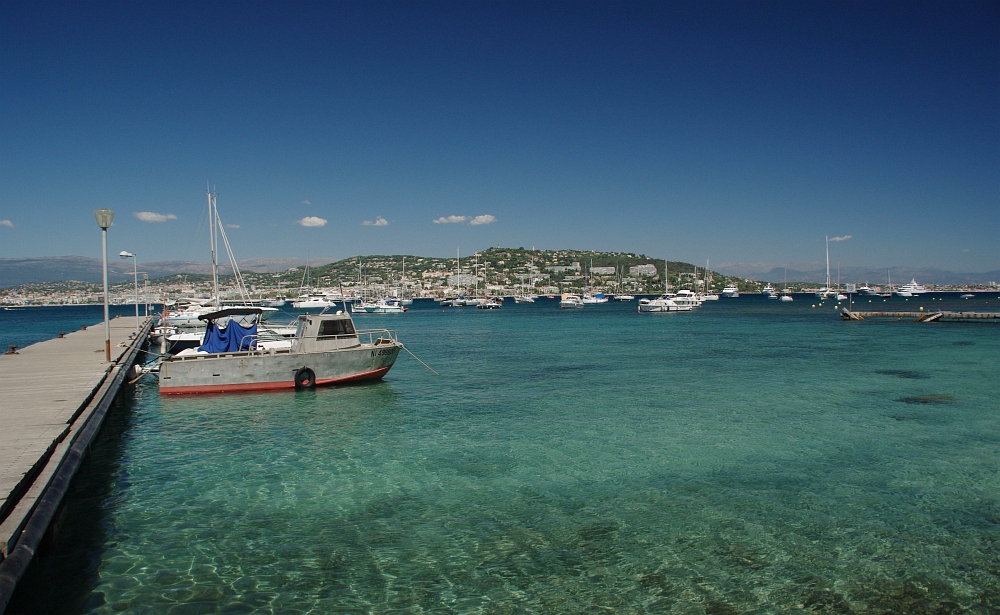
233	338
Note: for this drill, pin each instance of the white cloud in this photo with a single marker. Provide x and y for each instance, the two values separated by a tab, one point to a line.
484	219
472	220
379	221
232	226
149	216
306	203
312	221
843	238
7	223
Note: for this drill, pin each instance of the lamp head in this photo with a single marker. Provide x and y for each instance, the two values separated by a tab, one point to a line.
104	217
125	254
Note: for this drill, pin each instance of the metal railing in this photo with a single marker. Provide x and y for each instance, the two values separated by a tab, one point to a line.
374	337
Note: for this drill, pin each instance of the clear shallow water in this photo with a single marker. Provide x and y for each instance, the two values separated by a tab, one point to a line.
753	457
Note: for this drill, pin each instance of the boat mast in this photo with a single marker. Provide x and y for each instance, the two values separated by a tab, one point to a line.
828	263
213	244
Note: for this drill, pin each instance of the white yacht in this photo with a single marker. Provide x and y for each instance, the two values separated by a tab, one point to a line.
379	306
312	301
663	303
731	291
867	291
569	301
913	288
594	298
624	297
685	299
769	292
186	317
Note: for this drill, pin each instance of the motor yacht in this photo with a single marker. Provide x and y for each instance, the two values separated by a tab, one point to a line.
491	303
594	298
569	301
913	288
379	306
663	303
731	291
685	299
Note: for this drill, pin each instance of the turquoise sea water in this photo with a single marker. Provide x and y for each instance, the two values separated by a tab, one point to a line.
29	325
750	457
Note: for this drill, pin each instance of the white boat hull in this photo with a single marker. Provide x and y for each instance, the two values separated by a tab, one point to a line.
653	306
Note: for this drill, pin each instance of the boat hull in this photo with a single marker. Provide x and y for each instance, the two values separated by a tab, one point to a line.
261	371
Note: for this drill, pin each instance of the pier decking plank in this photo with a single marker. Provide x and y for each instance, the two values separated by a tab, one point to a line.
42	389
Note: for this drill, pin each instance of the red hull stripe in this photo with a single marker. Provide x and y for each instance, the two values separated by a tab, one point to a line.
269	386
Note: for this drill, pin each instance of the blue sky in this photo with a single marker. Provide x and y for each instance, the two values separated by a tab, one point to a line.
741	132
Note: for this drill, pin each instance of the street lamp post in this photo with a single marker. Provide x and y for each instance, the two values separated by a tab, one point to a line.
104	218
135	279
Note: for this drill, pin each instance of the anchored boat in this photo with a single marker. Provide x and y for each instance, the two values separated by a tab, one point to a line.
325	350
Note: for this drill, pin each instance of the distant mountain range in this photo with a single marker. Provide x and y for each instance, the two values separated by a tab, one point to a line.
15	271
900	275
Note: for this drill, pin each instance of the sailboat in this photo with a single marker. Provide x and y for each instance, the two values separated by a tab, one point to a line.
589	297
405	298
785	295
189	316
522	296
825	292
707	296
840	296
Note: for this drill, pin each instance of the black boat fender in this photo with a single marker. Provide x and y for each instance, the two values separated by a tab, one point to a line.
305	378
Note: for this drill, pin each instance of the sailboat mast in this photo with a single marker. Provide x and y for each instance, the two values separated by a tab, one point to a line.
828	262
213	243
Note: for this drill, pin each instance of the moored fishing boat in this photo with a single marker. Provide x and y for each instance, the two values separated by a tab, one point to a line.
325	350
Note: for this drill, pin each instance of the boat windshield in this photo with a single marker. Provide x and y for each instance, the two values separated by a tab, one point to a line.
332	328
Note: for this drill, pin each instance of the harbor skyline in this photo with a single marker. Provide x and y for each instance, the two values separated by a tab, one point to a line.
740	132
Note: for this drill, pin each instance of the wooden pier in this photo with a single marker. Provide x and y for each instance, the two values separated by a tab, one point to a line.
923	316
54	396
